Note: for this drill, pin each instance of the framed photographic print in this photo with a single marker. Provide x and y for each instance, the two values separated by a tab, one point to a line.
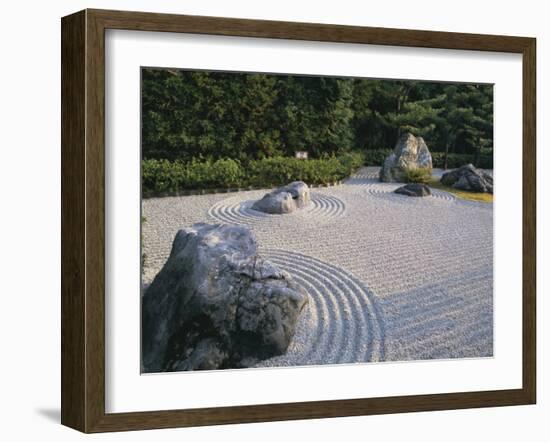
269	220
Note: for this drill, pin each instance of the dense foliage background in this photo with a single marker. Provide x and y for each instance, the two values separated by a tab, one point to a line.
225	124
190	114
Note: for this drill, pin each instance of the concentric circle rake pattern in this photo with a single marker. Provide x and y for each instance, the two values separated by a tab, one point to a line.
325	205
238	209
340	323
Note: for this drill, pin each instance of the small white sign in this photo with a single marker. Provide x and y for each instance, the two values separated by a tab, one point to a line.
301	155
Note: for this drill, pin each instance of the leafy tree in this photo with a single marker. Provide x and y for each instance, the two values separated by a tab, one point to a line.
198	115
467	119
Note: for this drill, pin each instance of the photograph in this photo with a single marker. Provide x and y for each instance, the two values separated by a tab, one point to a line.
297	220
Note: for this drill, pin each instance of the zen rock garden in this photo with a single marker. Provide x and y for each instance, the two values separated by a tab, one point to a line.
238	289
414	189
216	303
298	220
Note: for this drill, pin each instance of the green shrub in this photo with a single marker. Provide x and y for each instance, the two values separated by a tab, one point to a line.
418	175
282	170
163	176
227	173
274	171
352	161
195	173
170	176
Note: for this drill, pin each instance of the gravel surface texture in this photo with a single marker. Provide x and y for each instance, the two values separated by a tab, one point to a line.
390	277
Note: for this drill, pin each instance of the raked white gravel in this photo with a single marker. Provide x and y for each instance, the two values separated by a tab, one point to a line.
389	277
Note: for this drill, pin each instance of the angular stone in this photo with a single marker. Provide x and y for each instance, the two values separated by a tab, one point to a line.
410	152
299	192
217	304
276	203
414	189
469	178
285	199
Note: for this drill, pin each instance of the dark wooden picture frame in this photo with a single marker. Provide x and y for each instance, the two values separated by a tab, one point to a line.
83	220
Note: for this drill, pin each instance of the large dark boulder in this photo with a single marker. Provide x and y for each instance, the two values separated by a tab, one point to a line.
469	178
414	189
285	199
217	304
410	152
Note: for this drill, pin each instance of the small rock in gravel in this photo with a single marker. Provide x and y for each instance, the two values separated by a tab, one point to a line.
275	203
414	189
285	199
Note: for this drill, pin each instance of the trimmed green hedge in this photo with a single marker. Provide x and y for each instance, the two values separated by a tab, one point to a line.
170	176
376	158
163	176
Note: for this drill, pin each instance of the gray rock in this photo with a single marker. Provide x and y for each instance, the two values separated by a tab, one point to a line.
276	203
285	199
414	189
410	152
469	178
217	304
299	192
